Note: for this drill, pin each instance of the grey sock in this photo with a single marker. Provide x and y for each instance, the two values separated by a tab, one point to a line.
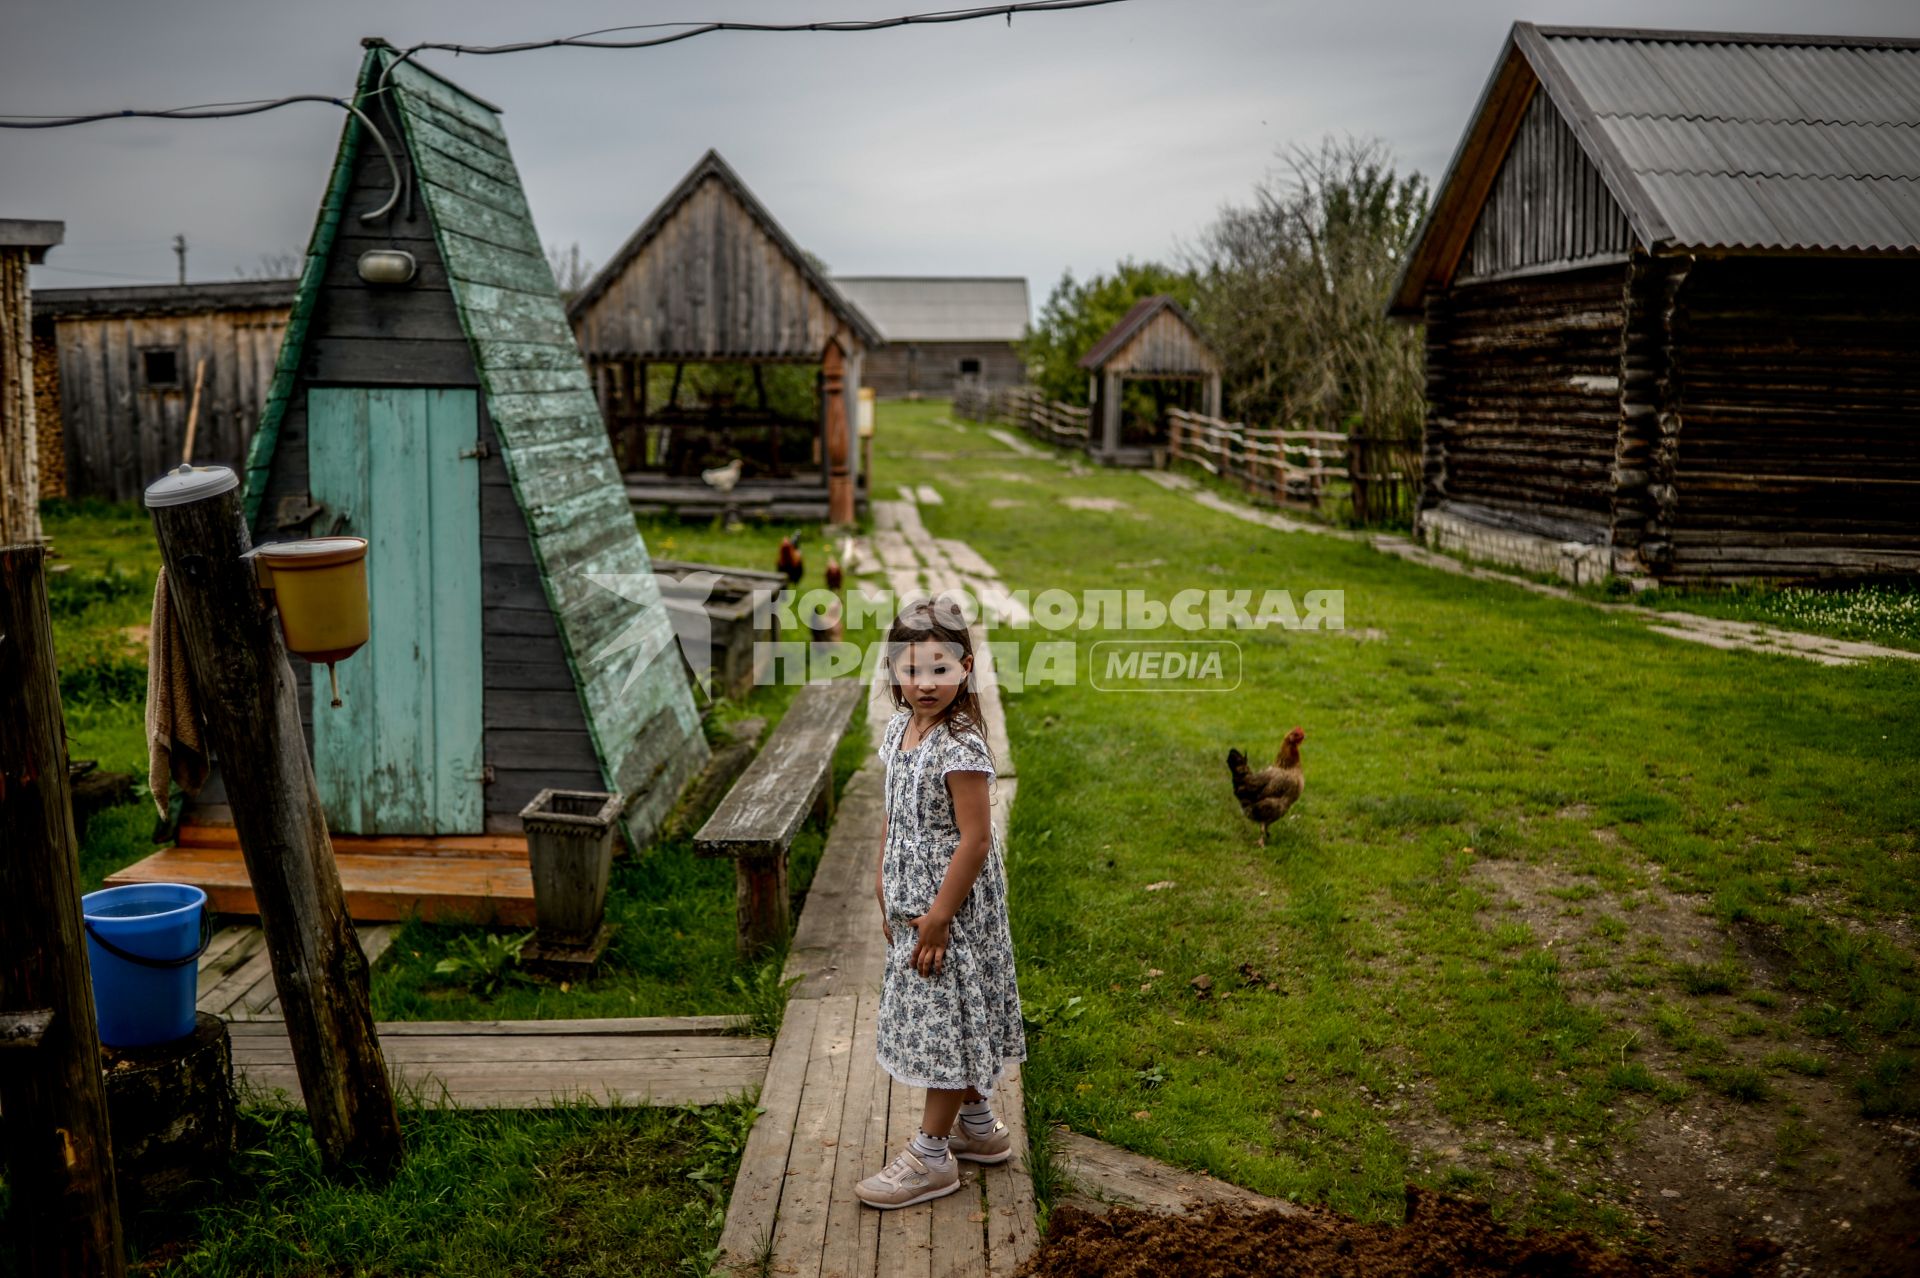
931	1150
976	1118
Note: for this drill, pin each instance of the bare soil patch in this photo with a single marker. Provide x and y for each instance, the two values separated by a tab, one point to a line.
1443	1235
1783	1153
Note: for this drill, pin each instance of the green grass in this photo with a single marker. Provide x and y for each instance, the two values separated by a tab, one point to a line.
1478	723
580	1190
1887	613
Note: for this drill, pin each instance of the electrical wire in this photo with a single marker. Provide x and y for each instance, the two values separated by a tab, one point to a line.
586	40
227	111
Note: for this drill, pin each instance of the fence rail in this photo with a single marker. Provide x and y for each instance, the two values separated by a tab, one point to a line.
1025	407
1298	465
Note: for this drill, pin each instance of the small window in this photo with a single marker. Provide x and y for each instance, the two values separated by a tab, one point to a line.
161	367
969	368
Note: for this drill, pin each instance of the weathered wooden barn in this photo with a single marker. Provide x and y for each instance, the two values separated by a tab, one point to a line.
1156	342
127	359
518	637
711	278
941	330
1671	286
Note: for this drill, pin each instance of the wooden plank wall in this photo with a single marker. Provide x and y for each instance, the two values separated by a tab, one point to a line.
1797	392
1548	206
711	285
535	730
1524	400
1165	344
931	368
46	412
122	434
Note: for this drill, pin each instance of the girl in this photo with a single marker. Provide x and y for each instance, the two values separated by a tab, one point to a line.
949	1016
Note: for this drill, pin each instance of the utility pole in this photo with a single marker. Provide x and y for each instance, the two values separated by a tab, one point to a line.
180	251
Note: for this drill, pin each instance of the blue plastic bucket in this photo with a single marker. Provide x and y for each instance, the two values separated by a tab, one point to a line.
144	942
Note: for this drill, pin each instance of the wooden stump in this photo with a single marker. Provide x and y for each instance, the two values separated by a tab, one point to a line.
171	1108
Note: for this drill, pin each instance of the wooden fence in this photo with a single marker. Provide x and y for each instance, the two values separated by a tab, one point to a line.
1298	465
1025	407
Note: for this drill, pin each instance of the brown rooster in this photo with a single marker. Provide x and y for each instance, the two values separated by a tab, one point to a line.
790	563
1265	796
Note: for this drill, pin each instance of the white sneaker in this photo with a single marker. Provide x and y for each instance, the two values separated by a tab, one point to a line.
907	1180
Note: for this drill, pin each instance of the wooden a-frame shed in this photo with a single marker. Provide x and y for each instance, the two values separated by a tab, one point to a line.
518	637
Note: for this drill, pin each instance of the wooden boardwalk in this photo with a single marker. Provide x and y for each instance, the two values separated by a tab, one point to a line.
654	1060
833	1116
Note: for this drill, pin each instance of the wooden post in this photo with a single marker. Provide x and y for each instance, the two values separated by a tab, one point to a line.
19	446
59	1158
240	671
833	369
1109	412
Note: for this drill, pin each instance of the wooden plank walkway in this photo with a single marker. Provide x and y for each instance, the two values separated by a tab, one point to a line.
833	1116
654	1060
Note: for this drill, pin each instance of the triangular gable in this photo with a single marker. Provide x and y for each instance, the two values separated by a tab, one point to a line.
553	441
713	168
1526	67
1138	316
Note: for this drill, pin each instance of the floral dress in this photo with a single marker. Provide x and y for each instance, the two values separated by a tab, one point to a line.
961	1027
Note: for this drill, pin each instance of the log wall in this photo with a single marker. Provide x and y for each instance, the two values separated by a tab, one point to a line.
1795	393
1524	401
931	368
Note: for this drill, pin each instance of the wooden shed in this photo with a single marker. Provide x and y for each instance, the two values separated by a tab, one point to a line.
1157	343
127	360
518	640
1671	286
941	331
711	278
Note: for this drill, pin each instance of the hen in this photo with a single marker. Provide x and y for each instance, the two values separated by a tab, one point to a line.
1266	795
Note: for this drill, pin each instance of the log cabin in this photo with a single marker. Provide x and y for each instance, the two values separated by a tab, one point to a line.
1671	289
429	397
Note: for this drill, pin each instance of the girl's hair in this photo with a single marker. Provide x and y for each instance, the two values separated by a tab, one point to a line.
941	621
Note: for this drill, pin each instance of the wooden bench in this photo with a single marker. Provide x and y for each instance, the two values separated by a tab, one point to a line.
791	777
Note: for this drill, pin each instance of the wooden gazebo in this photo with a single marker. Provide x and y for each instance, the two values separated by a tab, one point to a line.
1155	341
711	278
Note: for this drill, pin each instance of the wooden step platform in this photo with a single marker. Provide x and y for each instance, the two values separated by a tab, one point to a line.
236	976
442	879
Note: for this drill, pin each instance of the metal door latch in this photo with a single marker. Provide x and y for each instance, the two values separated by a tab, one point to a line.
480	449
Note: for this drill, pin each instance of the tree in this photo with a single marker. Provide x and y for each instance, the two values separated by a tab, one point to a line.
571	270
273	266
1077	315
1294	287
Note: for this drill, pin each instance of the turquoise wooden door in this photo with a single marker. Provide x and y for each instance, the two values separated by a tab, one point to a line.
404	754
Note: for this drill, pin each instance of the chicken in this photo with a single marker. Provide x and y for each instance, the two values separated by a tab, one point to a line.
833	574
723	478
1267	795
790	562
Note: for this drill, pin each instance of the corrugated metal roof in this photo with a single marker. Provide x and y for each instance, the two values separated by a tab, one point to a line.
1735	142
928	308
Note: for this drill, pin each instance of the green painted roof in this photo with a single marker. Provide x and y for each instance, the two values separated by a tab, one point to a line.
552	438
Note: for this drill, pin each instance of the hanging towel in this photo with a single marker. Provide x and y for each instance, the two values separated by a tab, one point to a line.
176	753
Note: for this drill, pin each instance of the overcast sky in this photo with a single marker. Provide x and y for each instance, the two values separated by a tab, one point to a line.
1068	140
